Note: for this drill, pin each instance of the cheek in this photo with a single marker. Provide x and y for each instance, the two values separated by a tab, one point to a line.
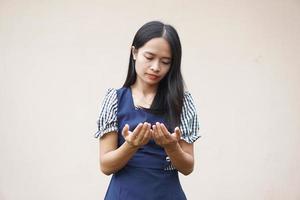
141	63
139	67
165	70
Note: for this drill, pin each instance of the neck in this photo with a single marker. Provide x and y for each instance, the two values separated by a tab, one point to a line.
144	90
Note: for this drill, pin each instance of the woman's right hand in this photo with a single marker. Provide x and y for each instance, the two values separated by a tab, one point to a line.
140	135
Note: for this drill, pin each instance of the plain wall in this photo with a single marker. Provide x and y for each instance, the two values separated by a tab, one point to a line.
240	62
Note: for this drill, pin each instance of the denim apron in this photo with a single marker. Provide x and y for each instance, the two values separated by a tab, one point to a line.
144	177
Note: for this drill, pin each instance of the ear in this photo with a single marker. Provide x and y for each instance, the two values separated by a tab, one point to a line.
134	52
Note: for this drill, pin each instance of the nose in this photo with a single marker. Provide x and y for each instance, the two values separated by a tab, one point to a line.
155	66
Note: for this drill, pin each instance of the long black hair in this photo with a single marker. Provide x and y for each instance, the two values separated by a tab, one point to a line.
169	96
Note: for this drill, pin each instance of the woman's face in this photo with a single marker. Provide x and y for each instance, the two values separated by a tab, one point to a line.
152	61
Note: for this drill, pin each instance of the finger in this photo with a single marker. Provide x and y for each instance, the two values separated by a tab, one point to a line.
146	135
155	134
177	133
165	130
140	135
137	129
151	133
160	138
160	132
125	131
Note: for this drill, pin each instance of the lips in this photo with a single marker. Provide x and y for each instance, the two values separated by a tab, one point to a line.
152	76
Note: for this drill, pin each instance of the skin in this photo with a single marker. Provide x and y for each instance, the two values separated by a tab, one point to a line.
152	63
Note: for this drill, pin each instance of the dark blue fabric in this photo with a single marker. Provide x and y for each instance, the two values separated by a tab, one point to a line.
132	183
144	177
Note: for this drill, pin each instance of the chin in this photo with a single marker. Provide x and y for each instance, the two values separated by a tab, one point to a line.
152	83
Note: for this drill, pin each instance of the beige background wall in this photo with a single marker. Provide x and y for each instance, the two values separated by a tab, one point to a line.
240	61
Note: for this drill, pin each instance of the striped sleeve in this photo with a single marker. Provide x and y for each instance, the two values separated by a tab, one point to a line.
189	123
107	121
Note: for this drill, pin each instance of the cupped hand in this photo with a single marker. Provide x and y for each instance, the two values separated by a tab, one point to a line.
163	137
139	136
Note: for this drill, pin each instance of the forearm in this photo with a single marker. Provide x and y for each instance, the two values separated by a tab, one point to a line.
181	160
113	161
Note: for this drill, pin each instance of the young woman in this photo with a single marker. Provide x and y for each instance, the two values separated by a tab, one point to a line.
147	127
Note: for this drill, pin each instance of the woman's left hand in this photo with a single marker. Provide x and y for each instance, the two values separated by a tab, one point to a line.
163	137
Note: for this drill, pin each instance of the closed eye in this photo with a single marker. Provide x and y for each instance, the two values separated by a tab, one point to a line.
148	58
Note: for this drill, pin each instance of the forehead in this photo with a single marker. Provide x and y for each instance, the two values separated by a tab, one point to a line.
158	46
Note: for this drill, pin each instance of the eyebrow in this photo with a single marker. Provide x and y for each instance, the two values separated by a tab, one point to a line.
154	54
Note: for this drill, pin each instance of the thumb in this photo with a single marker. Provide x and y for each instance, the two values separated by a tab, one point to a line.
177	133
125	131
151	133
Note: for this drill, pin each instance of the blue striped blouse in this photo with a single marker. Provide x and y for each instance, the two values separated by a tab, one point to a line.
107	121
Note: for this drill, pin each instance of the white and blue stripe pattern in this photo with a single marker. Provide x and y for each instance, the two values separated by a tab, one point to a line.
107	121
189	123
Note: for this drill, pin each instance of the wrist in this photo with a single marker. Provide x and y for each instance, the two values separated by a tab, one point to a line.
131	146
173	148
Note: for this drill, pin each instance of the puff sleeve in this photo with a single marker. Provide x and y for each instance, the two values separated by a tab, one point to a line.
189	123
107	121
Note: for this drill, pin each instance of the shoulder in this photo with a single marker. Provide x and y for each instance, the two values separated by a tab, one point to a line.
110	91
189	110
114	95
188	100
114	91
187	94
110	97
